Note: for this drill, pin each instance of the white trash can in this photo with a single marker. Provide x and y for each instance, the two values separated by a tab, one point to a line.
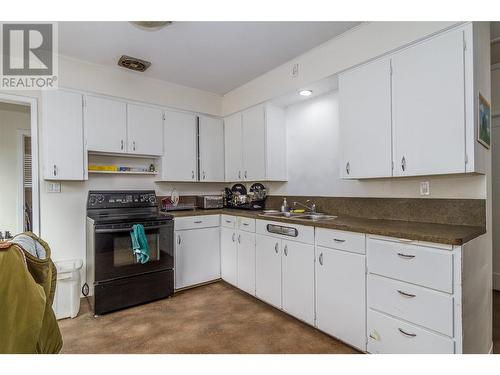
67	298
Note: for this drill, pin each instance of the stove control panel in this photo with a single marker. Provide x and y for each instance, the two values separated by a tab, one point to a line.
113	199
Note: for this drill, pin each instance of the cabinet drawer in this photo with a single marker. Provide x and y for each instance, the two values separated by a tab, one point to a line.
194	222
422	306
390	335
416	264
228	221
340	240
246	224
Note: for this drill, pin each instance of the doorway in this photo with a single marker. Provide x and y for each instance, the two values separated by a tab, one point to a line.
19	183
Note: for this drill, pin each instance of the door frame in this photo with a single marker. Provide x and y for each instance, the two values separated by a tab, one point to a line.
32	102
21	134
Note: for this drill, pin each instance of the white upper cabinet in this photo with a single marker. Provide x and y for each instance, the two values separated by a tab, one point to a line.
412	113
145	130
211	149
105	124
428	107
255	144
180	154
63	136
365	119
232	146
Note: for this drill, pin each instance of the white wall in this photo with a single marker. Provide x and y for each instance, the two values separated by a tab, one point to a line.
363	43
313	162
12	119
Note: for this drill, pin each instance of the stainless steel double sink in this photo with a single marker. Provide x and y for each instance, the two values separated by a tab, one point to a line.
311	216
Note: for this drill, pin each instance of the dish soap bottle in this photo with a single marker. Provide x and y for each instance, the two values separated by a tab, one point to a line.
284	206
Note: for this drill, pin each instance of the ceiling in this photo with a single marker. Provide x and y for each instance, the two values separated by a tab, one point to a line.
210	56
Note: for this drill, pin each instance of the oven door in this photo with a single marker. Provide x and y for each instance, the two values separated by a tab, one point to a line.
114	258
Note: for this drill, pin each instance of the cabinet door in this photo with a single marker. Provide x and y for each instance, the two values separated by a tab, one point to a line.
211	138
340	295
105	125
254	143
145	130
298	280
365	121
246	261
179	160
428	107
228	255
197	256
268	269
63	134
233	147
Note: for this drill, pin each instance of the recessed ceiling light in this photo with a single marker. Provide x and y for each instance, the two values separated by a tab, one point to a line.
151	25
306	92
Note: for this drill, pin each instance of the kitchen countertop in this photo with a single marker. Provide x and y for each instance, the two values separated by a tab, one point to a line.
429	232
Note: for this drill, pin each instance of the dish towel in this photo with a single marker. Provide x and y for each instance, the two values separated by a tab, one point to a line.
140	246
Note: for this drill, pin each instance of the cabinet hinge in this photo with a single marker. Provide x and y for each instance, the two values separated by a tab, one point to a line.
390	67
466	158
392	165
84	102
163	116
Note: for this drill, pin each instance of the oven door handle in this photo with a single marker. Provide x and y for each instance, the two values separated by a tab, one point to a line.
121	230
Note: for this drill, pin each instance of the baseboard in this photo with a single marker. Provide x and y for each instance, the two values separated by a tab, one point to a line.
496	281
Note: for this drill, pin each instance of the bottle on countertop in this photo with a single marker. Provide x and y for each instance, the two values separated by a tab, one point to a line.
284	206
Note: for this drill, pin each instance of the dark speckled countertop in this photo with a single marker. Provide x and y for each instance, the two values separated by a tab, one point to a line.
429	232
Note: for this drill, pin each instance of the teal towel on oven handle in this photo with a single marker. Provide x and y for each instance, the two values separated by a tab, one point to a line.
140	246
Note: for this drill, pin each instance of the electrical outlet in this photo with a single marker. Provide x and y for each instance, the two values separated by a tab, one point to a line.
295	70
425	188
53	187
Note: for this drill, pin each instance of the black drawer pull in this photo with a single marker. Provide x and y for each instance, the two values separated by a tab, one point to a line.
406	333
406	294
406	256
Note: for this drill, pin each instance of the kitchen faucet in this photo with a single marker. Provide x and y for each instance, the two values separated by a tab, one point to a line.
312	208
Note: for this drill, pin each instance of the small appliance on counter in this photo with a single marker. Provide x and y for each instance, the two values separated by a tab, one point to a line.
238	197
209	201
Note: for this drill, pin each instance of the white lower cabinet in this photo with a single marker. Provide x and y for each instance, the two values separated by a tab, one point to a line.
228	256
197	256
391	335
298	280
268	269
246	261
238	253
340	295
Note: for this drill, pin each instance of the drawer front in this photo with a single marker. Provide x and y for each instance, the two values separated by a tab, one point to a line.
194	222
426	266
340	240
422	306
300	233
228	221
392	336
246	224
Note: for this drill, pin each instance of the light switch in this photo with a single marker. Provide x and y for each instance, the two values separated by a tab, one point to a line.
425	188
53	187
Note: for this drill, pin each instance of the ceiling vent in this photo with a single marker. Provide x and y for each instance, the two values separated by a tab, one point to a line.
134	63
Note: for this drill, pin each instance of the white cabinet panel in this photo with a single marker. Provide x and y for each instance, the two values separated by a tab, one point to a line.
428	107
105	125
340	295
179	160
387	335
63	135
365	121
145	130
298	280
233	147
211	140
229	255
268	269
197	256
254	143
246	261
